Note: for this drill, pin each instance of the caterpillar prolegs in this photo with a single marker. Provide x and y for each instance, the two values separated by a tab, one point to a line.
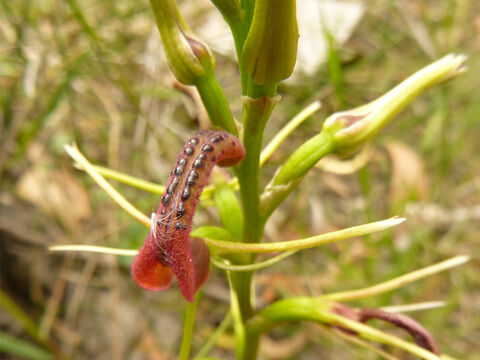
168	249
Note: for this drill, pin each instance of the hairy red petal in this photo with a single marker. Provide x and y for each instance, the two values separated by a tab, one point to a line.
181	261
201	261
147	269
170	249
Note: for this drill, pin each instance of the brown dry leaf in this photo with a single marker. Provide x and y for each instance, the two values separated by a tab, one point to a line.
338	185
57	193
196	108
345	166
409	178
150	349
275	282
282	349
412	12
318	220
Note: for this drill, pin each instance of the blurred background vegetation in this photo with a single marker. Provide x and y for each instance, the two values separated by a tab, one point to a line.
92	72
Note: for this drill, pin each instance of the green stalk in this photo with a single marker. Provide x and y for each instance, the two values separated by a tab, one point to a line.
237	314
257	109
188	326
239	24
225	264
126	179
255	116
215	102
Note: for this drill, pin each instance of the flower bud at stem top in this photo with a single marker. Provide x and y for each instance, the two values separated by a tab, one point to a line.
353	128
188	57
270	50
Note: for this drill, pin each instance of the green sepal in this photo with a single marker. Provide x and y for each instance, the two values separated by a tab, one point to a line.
213	232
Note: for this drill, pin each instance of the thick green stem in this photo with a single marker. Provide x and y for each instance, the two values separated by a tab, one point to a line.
256	114
258	105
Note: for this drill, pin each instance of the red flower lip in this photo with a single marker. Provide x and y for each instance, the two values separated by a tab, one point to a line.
168	249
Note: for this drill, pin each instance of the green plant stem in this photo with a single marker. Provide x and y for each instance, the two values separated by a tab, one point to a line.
188	326
237	314
215	102
255	115
231	12
256	91
234	16
225	265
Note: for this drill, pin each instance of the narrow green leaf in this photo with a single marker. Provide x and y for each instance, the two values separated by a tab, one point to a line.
213	232
17	347
19	315
223	264
229	209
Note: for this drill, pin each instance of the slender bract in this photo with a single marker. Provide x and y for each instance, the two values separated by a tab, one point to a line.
168	249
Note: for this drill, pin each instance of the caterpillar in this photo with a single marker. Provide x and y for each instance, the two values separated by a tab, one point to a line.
168	249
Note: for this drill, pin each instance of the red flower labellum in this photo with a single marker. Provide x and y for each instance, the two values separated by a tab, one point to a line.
168	249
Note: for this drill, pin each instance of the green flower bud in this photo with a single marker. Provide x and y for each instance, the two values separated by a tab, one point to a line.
353	128
187	56
270	50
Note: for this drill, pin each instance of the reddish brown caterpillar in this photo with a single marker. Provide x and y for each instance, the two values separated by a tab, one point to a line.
168	248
